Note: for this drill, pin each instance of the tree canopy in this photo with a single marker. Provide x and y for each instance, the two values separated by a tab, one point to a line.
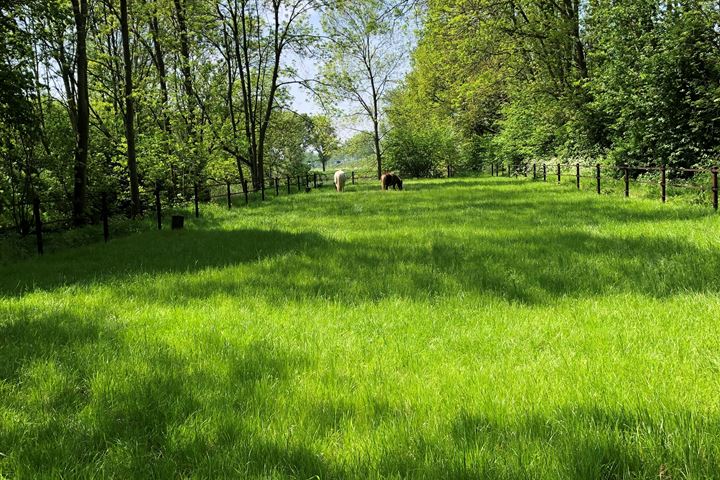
633	82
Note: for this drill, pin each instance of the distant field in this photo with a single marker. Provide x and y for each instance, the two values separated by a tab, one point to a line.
464	328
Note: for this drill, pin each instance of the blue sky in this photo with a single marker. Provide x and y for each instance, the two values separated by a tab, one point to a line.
304	101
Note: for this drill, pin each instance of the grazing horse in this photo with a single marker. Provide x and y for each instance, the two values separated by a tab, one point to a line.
340	179
391	180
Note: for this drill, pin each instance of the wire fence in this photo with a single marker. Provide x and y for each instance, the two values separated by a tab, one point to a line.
661	177
225	191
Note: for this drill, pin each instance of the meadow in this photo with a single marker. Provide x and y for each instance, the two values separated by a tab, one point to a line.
463	328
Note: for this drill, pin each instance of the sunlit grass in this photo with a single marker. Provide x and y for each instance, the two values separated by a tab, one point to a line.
480	328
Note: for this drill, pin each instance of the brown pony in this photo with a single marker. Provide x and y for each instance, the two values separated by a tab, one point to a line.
391	180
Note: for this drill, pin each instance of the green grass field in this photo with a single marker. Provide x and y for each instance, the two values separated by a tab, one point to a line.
480	328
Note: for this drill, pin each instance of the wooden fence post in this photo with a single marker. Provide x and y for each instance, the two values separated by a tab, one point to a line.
715	187
229	195
627	180
663	183
197	202
559	172
104	213
597	177
245	192
577	175
158	207
38	224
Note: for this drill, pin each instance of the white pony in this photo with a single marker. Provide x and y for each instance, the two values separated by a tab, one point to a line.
340	180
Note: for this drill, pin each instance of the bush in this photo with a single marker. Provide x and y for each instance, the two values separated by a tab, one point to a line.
422	152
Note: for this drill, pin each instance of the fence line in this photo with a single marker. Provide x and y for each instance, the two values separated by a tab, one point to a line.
318	180
498	169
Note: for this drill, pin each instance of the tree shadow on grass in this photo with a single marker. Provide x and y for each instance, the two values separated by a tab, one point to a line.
529	251
533	271
91	401
151	253
591	442
505	204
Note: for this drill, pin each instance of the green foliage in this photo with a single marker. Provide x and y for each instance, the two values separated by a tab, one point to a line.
656	80
634	82
418	143
287	143
323	139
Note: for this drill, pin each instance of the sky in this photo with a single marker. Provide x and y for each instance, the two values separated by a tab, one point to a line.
305	101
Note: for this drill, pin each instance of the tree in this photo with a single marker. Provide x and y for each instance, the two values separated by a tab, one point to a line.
129	116
82	120
323	138
18	118
364	59
260	34
287	142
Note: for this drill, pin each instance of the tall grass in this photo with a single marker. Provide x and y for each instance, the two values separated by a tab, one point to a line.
479	328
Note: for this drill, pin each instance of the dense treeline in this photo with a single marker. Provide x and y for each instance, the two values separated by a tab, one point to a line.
116	97
622	82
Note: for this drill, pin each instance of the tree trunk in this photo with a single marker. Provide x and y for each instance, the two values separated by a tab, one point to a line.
159	60
129	112
378	155
80	11
187	83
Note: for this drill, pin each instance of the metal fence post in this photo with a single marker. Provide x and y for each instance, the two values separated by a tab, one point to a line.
353	177
597	177
38	224
229	198
577	175
544	172
663	183
627	180
559	172
104	213
277	187
534	171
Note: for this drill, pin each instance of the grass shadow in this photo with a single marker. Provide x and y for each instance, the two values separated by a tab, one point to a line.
150	253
